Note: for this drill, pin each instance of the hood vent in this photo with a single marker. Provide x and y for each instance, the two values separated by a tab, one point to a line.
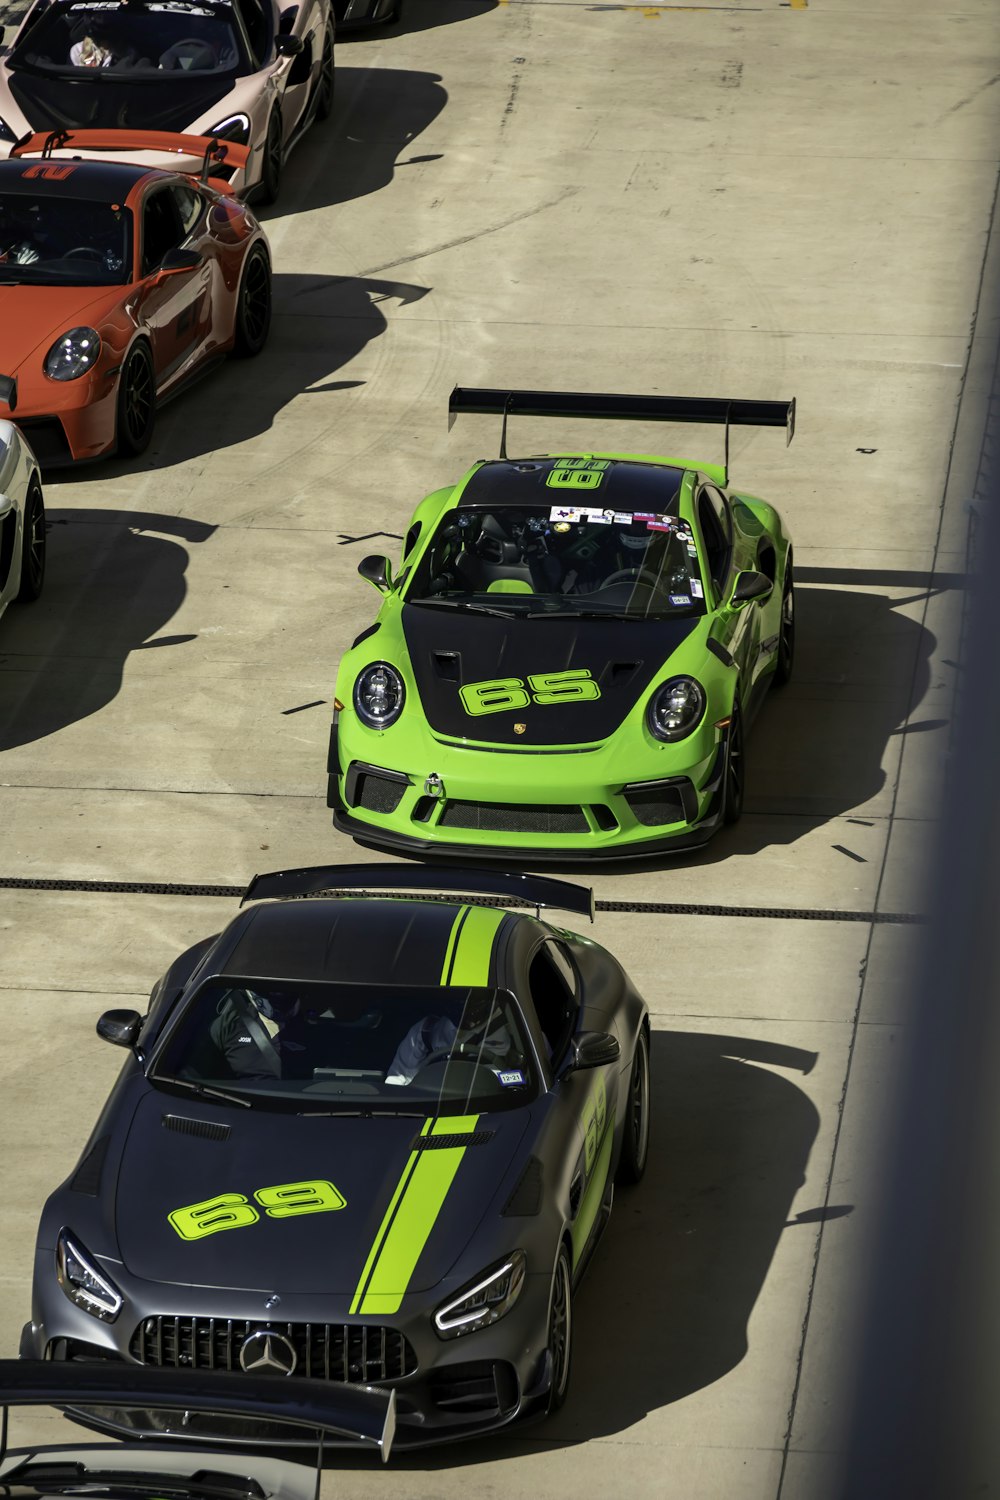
449	1142
87	1177
448	665
622	672
207	1129
526	1199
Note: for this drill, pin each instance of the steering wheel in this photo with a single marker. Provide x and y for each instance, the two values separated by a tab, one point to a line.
631	575
83	250
459	1054
191	54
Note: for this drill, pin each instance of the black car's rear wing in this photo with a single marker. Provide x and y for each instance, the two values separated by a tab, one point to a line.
317	1411
712	410
534	890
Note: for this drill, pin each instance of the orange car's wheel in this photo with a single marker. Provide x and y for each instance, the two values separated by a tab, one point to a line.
253	305
136	401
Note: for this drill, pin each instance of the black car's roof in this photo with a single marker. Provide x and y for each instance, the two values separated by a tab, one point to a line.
348	940
626	485
101	181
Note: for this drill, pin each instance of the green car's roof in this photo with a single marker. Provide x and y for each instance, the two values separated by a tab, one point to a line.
609	481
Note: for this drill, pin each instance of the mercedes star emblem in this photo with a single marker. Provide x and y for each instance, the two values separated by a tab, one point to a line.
266	1352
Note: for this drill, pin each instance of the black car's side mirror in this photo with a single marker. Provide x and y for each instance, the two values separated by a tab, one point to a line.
593	1049
751	586
376	571
121	1027
289	46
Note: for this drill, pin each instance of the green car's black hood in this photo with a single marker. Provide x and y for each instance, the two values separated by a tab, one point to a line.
450	649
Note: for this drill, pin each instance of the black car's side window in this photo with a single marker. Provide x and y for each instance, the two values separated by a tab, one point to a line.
550	982
716	528
162	230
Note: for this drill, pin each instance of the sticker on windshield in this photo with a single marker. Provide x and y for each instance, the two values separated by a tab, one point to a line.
661	523
512	1080
696	589
581	513
680	599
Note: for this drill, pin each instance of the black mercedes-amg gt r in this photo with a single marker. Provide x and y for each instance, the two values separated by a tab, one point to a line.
370	1139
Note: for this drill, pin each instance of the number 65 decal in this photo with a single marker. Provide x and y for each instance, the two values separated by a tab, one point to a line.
497	694
235	1211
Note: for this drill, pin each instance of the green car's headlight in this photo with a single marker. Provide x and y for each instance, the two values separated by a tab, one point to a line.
83	1283
73	355
487	1300
676	708
379	695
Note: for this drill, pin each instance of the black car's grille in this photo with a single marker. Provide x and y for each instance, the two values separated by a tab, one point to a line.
514	817
656	805
353	1354
484	1387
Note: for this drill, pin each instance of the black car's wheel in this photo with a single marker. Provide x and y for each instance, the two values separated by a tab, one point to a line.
274	160
732	803
253	305
786	639
32	545
635	1143
560	1329
326	84
136	401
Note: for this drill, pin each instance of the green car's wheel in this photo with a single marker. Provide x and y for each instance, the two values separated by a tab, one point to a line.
560	1329
732	803
635	1145
32	545
786	640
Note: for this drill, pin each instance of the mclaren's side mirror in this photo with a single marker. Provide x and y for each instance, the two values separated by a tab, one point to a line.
594	1049
121	1027
751	586
289	46
376	571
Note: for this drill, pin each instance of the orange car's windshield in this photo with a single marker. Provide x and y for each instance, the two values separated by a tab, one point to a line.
63	241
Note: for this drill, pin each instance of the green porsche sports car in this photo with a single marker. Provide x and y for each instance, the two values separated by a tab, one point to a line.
566	664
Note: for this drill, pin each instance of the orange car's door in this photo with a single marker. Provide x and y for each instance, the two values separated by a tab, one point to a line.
174	305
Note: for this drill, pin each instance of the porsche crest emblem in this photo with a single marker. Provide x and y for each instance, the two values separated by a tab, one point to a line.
520	728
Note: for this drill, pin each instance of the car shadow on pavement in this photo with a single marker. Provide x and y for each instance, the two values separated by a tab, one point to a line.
426	14
113	580
378	114
320	324
663	1309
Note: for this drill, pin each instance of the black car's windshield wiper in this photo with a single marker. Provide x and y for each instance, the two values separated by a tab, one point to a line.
203	1090
475	609
366	1114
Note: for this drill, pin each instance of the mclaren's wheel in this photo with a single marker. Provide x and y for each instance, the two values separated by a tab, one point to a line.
786	640
274	160
732	805
32	545
136	402
253	307
326	86
560	1329
635	1145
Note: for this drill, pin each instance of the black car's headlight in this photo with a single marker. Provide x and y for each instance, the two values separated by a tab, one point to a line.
676	708
232	128
379	695
83	1283
485	1301
73	355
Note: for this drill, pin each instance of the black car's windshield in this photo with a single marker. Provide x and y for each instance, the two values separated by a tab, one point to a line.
64	241
558	561
103	39
316	1047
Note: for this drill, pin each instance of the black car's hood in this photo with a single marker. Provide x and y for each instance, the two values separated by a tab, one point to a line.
57	102
451	648
166	1169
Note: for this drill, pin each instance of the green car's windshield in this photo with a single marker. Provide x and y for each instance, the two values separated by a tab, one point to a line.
554	561
355	1049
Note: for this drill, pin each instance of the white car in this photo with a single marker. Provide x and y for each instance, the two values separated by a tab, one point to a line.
22	519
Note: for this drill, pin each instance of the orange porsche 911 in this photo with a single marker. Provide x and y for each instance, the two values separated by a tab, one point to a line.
118	285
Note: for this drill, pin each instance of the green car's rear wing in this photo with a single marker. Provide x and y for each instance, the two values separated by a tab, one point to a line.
534	890
712	410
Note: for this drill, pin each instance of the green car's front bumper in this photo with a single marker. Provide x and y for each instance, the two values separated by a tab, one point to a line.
668	800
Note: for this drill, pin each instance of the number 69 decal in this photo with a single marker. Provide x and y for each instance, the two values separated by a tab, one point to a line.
235	1211
498	694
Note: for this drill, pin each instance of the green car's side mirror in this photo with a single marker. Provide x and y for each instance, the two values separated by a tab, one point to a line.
376	571
750	586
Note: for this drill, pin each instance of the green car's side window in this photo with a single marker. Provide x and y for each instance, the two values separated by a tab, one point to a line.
716	529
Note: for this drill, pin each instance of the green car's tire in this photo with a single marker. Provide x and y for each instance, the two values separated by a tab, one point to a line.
786	639
635	1144
733	786
560	1329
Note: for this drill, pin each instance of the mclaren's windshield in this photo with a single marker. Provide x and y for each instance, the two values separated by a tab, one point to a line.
103	39
554	561
355	1049
64	241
